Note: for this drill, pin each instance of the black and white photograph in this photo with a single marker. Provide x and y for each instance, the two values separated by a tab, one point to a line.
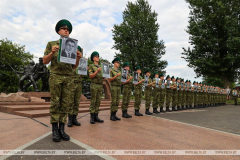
157	82
146	80
135	77
163	84
105	70
68	50
82	67
124	75
168	83
178	86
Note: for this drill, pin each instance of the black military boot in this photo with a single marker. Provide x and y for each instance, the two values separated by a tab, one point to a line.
155	110
147	112
97	119
137	113
187	107
178	108
55	133
183	108
124	114
161	110
128	115
75	122
168	110
191	107
62	133
92	120
70	121
112	117
115	115
174	109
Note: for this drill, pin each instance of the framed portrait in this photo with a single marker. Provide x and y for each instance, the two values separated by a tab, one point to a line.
82	67
146	80
135	77
105	70
157	82
124	75
67	50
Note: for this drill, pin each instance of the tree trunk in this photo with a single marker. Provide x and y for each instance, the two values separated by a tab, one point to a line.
226	82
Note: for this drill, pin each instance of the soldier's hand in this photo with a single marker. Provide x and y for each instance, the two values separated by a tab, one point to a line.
142	80
55	49
79	54
119	74
131	78
99	69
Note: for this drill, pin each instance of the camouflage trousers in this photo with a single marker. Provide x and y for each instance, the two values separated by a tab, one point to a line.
191	97
126	97
168	96
162	97
138	98
77	92
156	97
148	97
179	98
96	95
61	97
187	98
115	94
174	98
183	98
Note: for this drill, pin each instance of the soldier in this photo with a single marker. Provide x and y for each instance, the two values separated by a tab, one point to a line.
168	93
148	93
191	94
95	73
187	94
200	95
156	92
77	92
59	82
138	92
115	80
183	94
228	93
174	93
179	90
162	92
127	90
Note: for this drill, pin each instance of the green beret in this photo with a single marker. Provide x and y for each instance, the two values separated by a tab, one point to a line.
126	64
148	70
200	82
194	82
138	67
177	78
182	80
79	48
189	81
116	59
94	54
65	24
155	73
172	77
186	81
167	77
161	75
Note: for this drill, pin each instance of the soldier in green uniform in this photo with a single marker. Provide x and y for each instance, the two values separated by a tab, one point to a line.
95	73
127	90
191	95
235	95
179	90
174	93
156	92
200	95
168	93
183	94
138	92
148	92
59	83
162	92
187	94
115	80
77	91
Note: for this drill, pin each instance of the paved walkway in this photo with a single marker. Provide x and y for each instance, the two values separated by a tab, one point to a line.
215	128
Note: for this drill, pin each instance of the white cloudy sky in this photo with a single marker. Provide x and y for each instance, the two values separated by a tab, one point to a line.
32	23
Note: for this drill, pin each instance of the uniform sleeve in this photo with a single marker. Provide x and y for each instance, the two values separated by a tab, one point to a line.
90	70
48	49
111	73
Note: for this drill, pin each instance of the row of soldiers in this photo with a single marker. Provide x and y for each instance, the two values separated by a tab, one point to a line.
65	89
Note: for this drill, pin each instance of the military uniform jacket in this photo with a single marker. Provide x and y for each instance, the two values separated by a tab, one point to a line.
98	78
76	77
116	81
139	85
57	67
173	87
130	83
150	86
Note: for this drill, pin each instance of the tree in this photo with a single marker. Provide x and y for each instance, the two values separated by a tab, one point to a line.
215	38
136	37
14	55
